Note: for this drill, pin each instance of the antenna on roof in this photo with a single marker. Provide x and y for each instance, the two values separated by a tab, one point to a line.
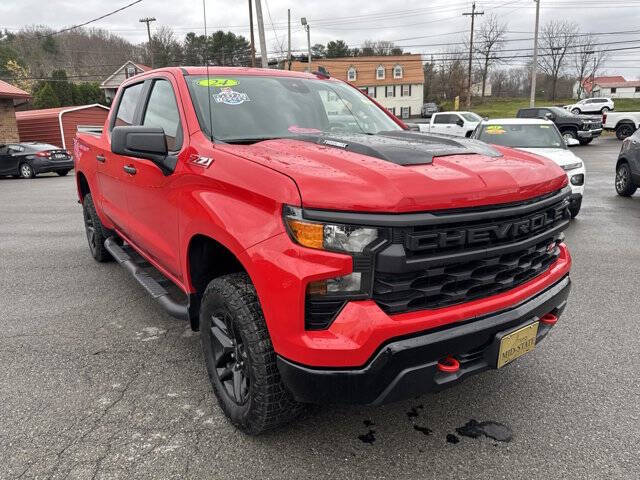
206	63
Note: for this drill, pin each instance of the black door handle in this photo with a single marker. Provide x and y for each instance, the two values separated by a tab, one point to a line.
131	170
100	158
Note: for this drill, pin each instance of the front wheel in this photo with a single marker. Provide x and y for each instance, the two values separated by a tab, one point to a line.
569	134
26	171
585	141
62	173
576	111
624	183
574	207
240	358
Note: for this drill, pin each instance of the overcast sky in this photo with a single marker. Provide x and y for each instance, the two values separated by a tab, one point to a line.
433	22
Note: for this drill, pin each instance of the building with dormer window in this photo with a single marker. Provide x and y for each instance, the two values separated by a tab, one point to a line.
396	82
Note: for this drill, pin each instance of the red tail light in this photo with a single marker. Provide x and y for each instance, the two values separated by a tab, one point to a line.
43	154
604	118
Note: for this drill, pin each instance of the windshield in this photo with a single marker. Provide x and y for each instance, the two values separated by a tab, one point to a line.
253	108
560	112
472	117
521	135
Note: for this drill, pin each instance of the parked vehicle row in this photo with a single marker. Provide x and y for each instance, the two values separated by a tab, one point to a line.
28	159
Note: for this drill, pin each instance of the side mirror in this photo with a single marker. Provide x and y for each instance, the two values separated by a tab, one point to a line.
572	142
460	122
143	142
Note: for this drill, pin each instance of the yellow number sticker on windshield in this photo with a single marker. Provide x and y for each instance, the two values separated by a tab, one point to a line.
495	130
218	82
544	126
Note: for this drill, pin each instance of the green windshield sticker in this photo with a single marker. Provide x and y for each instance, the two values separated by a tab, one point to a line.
495	130
218	82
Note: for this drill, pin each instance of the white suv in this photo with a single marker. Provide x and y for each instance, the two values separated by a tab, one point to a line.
591	105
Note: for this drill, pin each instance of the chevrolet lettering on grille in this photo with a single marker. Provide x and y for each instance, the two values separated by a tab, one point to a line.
498	232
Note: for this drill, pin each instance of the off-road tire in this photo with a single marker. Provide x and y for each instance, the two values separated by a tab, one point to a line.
26	171
95	231
574	208
624	183
268	403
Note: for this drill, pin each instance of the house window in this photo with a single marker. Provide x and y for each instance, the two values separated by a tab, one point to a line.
406	91
392	110
390	91
397	71
130	72
351	74
371	91
380	73
637	89
406	112
613	90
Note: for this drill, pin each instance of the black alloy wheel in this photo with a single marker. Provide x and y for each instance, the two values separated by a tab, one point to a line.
230	357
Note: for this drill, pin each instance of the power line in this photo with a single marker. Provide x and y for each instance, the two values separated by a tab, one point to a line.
91	21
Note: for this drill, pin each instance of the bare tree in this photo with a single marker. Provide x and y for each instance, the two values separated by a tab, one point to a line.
490	41
587	61
556	38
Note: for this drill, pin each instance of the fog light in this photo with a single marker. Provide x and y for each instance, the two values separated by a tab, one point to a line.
577	179
349	283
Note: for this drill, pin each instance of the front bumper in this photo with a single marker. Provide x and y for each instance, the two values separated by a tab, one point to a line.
595	133
406	367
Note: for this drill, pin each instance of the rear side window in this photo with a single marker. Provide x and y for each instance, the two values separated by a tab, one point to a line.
162	112
445	118
127	105
527	113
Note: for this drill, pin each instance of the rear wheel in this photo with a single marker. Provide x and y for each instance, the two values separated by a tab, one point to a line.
624	130
605	110
62	173
26	171
96	233
240	358
576	111
624	183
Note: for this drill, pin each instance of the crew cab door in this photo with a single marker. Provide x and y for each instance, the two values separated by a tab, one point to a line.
153	213
111	177
445	123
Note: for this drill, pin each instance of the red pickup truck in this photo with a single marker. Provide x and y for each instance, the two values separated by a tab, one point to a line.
326	253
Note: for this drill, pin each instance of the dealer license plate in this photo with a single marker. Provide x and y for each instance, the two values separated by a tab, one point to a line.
517	343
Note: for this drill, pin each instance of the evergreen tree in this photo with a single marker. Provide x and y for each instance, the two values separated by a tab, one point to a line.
45	97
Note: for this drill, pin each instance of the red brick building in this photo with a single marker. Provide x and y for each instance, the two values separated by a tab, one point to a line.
9	95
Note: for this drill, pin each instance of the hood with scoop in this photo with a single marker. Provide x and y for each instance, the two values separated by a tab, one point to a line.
403	171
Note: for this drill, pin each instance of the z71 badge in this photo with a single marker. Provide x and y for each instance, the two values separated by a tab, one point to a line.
231	97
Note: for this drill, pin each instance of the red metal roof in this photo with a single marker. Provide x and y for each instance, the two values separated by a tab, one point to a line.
144	68
631	83
49	112
9	91
587	82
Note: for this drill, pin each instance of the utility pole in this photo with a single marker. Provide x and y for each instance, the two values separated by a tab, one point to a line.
534	67
306	26
473	14
289	38
148	20
253	45
263	42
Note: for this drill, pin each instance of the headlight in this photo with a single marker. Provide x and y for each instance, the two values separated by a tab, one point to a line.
325	236
572	166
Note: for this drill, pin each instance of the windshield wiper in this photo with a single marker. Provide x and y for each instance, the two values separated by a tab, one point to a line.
248	140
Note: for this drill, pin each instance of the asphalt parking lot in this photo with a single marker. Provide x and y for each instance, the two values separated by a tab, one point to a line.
97	382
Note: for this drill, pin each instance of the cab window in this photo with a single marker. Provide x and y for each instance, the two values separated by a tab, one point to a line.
125	115
162	112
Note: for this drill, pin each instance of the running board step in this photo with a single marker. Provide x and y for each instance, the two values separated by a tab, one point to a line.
152	286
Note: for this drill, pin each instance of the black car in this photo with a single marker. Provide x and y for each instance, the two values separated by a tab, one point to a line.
579	127
628	166
28	159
